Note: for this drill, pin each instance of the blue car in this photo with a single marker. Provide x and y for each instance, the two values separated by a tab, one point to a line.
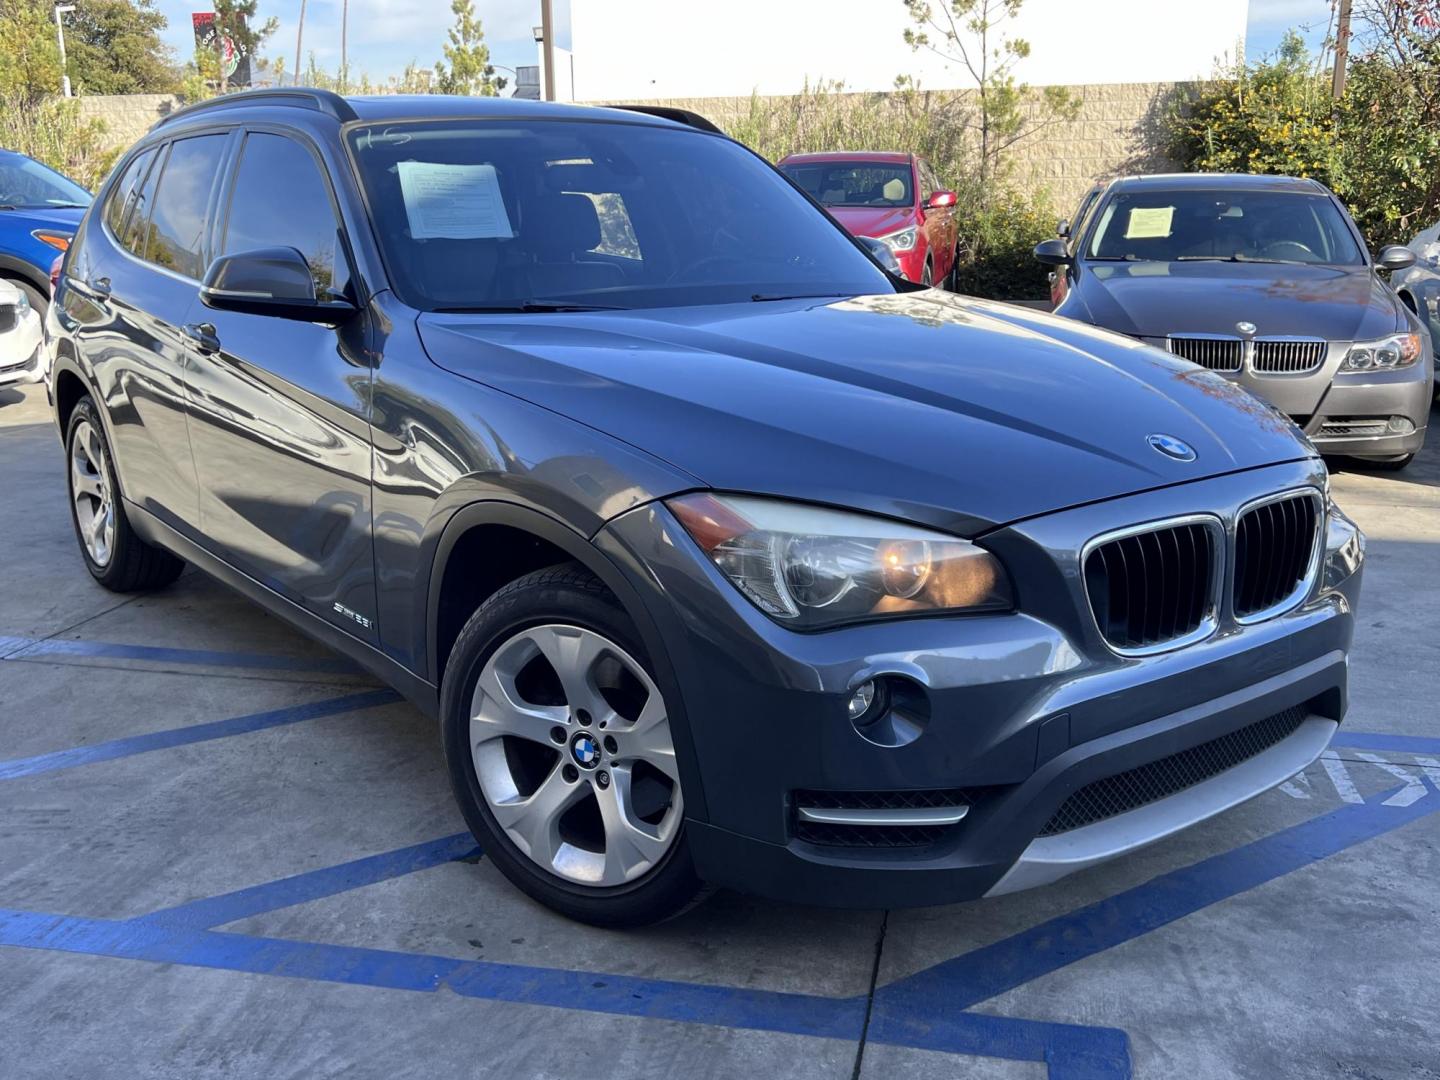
39	213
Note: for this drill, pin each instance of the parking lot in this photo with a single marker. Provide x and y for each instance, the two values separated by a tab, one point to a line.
224	851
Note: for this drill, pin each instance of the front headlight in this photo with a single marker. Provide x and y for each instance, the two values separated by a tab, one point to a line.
807	566
1398	351
903	240
22	304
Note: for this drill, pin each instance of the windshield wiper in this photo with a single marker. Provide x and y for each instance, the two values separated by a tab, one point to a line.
65	206
529	307
1238	257
1118	258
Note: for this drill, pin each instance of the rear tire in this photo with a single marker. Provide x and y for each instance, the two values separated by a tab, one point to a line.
114	553
534	698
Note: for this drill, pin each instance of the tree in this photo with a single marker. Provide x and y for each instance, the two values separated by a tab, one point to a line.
114	47
469	71
970	34
233	19
29	58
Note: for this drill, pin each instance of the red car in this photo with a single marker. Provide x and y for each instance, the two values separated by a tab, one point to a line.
892	197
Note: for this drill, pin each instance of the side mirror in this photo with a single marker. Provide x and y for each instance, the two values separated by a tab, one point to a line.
881	253
1394	258
269	281
1053	253
941	200
1062	228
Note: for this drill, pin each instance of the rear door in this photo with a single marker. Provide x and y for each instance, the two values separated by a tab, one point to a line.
279	408
138	287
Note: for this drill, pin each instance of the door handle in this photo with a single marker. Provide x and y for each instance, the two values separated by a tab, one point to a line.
202	336
100	286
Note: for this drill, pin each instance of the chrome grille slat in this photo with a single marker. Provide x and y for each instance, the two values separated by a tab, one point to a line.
1215	353
1276	544
1275	356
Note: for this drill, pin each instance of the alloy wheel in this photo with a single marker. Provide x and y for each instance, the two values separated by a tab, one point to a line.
571	744
90	491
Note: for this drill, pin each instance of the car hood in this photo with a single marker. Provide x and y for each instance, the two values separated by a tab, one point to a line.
1152	299
872	220
64	220
960	413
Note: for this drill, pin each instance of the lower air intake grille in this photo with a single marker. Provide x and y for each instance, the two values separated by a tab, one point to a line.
1274	552
1217	354
1156	587
1288	357
878	836
1150	783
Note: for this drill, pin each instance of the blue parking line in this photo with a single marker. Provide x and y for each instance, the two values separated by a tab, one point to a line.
991	970
1074	1052
26	648
1375	740
217	729
314	885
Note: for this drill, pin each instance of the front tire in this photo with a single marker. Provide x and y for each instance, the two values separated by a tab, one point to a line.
560	754
114	553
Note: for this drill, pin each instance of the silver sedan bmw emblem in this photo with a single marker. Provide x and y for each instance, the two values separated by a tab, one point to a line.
1172	447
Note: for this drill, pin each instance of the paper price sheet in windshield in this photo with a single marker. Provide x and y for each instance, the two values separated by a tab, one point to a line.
453	202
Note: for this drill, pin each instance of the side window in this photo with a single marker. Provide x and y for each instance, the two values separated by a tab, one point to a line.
133	237
125	191
176	238
301	217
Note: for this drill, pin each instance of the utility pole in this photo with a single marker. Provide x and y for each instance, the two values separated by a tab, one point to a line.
547	48
344	55
61	9
1342	50
299	32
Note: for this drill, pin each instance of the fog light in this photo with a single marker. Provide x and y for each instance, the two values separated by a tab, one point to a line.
861	700
1401	425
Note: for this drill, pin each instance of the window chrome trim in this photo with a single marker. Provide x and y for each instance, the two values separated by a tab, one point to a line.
1209	622
1312	569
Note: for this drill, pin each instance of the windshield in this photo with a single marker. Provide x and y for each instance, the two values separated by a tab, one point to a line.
525	215
1243	226
853	183
27	185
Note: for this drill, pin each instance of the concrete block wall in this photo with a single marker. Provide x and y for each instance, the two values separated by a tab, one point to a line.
1117	131
126	116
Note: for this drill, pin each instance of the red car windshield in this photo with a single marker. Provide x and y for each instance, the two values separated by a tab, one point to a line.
854	183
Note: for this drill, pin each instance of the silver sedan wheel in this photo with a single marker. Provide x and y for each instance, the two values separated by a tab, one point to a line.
90	490
571	744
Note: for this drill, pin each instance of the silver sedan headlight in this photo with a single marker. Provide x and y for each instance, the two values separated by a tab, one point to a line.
1397	351
809	567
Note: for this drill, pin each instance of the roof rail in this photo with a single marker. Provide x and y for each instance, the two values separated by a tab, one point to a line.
300	97
680	116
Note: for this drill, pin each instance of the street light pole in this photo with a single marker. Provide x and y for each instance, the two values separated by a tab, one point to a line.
547	48
61	9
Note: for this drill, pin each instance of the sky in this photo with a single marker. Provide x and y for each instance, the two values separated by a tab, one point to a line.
1269	19
385	35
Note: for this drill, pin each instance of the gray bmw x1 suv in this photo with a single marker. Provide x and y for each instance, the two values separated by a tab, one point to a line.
720	555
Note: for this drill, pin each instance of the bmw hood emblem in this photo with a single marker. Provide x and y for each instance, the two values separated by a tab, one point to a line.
1246	328
1172	447
586	751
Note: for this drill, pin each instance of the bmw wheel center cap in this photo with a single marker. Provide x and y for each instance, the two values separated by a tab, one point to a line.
585	750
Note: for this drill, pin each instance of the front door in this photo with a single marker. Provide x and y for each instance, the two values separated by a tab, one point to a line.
279	408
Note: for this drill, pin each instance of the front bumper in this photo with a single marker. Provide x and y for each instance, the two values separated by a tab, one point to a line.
1024	709
20	352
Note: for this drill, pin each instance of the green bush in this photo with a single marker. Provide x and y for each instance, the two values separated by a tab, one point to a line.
1378	148
997	243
